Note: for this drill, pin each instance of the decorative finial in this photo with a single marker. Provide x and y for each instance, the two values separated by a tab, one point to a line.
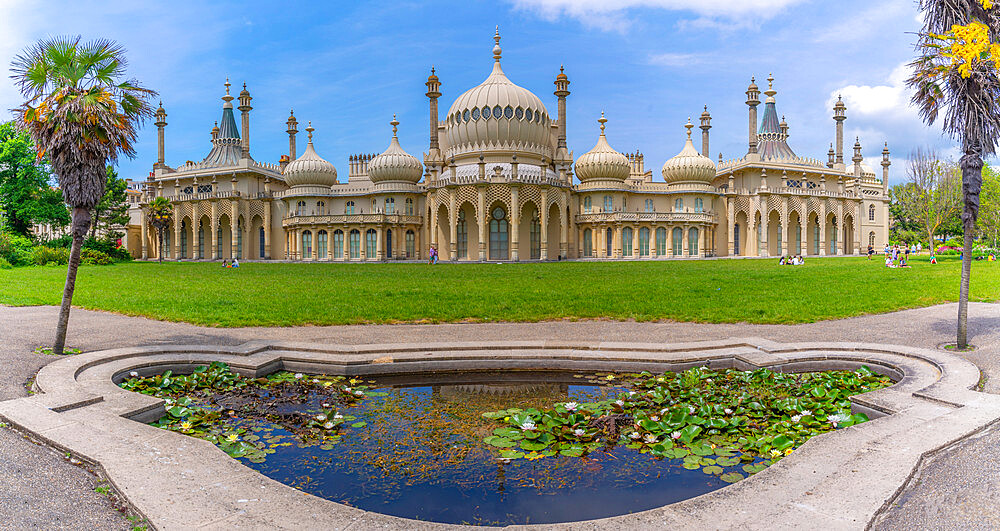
227	85
561	69
291	112
689	125
432	70
496	47
753	80
706	108
244	85
310	130
770	81
602	121
394	123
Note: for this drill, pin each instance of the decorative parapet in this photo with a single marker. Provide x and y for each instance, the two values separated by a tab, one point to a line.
346	219
647	217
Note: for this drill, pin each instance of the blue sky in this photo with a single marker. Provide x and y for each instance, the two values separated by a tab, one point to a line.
649	64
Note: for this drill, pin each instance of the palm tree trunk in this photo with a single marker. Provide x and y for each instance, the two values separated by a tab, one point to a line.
971	165
963	290
80	225
159	253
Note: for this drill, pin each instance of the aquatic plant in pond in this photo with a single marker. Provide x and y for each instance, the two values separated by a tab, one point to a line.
706	417
443	450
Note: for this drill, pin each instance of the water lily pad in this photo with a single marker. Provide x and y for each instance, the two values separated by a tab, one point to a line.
731	477
701	449
532	445
713	469
691	466
753	469
572	452
722	451
727	461
499	442
358	424
511	454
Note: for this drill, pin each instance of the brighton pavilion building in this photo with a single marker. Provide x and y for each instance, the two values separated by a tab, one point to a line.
498	183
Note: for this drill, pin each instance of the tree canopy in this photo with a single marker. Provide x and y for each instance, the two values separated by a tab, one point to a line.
26	193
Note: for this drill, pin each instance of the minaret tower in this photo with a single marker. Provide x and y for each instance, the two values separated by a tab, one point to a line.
433	93
706	124
885	170
753	100
830	155
857	158
161	124
839	115
783	127
245	109
562	90
293	129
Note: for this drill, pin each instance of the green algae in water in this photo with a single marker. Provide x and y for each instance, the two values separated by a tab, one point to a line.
431	449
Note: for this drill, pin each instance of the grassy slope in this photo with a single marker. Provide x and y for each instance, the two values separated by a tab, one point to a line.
756	291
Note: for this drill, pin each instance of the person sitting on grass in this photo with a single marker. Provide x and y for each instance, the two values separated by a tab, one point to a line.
225	263
781	261
236	262
888	261
992	258
933	259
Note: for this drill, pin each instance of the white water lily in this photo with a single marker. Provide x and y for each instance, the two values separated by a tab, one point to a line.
337	416
837	418
649	438
796	418
729	411
321	418
328	425
185	425
635	435
631	393
359	393
570	406
690	409
708	380
527	425
326	405
314	380
299	376
578	432
806	412
654	418
620	402
133	374
675	435
232	437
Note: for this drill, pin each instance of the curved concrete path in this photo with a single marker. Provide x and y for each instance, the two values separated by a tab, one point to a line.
968	472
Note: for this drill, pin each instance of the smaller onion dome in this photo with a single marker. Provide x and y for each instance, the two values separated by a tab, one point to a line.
602	162
394	164
689	165
310	169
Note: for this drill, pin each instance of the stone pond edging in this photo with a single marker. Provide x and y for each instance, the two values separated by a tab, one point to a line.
839	480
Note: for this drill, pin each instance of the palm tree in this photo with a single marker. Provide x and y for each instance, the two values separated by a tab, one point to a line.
955	72
160	212
81	114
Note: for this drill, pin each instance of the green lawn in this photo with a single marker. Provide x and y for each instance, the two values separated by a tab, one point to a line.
755	291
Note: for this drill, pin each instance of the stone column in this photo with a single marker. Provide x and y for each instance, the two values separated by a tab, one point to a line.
481	220
267	230
453	225
822	229
635	241
215	230
652	241
544	219
841	240
144	246
432	222
234	225
515	228
731	226
379	243
565	224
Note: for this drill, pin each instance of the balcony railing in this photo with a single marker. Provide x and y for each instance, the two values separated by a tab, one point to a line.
344	219
647	217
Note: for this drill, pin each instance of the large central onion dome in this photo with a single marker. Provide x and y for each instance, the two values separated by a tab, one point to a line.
310	169
497	115
689	166
602	162
394	164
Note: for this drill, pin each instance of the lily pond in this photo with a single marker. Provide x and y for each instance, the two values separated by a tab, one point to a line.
513	447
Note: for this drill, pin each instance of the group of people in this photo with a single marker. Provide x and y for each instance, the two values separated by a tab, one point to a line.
432	255
234	263
792	260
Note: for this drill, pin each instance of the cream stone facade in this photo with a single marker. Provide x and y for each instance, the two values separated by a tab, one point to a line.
497	184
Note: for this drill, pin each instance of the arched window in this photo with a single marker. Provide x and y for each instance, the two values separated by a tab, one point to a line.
692	242
201	241
871	212
411	242
260	242
374	206
239	238
167	249
371	244
184	240
759	234
627	241
498	234
321	245
587	205
833	236
338	243
699	205
462	233
609	239
871	239
679	204
777	244
349	207
355	244
390	205
677	241
644	240
608	203
320	208
661	242
798	238
388	244
736	239
649	205
409	201
588	243
307	238
815	249
535	239
300	208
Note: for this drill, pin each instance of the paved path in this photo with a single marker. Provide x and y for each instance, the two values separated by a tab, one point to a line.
969	472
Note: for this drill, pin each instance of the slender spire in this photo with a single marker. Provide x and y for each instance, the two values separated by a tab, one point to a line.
602	121
689	126
496	47
394	123
310	130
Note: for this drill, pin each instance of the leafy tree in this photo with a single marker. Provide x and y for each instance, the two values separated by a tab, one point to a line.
25	194
989	214
160	212
112	210
955	73
930	194
81	114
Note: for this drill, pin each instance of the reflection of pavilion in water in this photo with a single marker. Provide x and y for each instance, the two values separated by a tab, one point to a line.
500	390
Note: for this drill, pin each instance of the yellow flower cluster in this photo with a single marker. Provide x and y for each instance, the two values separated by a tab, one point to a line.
969	44
987	4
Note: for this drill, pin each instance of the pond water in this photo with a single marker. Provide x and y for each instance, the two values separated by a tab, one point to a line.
420	454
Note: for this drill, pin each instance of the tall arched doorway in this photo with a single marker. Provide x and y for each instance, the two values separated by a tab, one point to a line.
499	235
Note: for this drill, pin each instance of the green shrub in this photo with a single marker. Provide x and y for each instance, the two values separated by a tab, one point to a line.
48	255
16	249
4	264
61	242
92	257
108	247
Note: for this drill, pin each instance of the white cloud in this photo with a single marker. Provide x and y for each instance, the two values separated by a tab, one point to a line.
892	99
674	59
614	14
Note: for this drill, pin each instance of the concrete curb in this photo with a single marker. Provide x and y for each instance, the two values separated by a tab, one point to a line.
839	480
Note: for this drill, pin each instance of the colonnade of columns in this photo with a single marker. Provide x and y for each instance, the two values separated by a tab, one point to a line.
600	248
296	238
151	247
831	231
